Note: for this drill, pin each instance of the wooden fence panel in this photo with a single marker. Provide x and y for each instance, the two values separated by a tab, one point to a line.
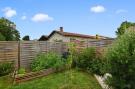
100	43
29	50
9	51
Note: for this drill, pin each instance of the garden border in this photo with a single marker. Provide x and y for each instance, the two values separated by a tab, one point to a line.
41	73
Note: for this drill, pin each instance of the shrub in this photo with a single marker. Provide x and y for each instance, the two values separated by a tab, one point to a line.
121	62
21	71
90	61
6	68
72	55
45	61
85	57
96	66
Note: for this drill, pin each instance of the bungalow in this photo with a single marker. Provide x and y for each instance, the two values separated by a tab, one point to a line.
61	36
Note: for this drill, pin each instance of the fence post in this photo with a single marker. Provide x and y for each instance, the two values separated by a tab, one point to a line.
18	54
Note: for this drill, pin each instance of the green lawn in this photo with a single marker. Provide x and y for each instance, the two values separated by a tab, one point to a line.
5	82
71	79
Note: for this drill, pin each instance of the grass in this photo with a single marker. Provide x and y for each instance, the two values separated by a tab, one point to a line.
71	79
5	82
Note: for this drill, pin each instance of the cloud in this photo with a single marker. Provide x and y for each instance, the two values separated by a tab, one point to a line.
97	9
24	17
121	11
40	17
9	12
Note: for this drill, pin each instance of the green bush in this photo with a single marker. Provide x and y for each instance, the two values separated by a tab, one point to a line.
47	60
85	57
89	61
6	68
21	71
96	66
121	62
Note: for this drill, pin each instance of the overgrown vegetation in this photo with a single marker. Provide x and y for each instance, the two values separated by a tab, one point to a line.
89	61
6	68
121	62
72	54
85	58
47	60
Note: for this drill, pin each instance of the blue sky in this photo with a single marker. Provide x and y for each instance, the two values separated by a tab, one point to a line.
40	17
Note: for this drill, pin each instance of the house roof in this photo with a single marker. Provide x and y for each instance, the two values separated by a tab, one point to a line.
68	34
43	38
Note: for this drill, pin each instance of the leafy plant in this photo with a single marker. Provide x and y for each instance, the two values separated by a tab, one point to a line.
89	60
21	71
96	66
47	60
121	62
6	68
85	57
71	60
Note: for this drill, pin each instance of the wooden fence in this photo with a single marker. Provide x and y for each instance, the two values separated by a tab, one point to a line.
23	52
9	51
29	49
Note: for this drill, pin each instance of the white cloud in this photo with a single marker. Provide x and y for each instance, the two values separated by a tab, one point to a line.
40	17
98	9
121	11
9	12
24	17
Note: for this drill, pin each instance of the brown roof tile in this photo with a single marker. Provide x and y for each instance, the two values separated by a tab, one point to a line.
74	34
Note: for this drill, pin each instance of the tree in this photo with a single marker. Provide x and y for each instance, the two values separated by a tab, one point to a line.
8	30
2	38
121	62
27	38
124	26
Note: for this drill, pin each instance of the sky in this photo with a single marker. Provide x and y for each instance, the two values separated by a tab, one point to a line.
91	17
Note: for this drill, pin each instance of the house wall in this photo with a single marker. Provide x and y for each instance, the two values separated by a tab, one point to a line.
57	37
80	39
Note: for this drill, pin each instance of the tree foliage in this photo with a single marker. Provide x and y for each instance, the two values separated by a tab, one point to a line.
26	38
123	27
8	30
2	38
121	62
